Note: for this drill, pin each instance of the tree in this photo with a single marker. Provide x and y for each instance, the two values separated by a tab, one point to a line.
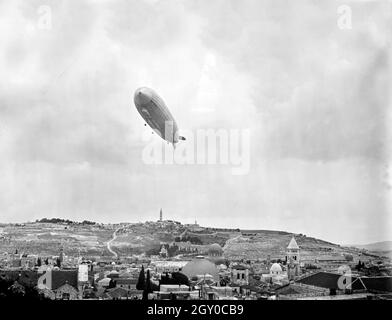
348	257
180	278
39	262
148	282
153	251
141	282
148	287
172	250
17	290
154	286
175	278
32	292
360	265
112	284
58	262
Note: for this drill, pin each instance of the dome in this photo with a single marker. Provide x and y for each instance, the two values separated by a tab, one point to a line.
215	250
200	266
276	268
113	274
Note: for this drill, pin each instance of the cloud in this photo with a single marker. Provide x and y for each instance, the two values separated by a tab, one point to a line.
313	96
310	81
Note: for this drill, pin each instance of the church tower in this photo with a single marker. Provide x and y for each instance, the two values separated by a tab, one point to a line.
292	259
160	215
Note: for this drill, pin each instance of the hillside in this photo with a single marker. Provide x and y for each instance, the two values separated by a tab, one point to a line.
376	246
264	243
47	238
383	248
126	239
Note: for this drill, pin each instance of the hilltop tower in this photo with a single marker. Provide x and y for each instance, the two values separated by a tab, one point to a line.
292	259
160	215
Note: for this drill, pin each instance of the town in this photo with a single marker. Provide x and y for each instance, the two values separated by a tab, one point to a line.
166	260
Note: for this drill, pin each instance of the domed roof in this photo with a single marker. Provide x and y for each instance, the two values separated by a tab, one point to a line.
200	266
113	274
276	268
215	248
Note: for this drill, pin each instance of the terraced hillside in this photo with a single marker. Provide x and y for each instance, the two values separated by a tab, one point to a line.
258	244
127	239
47	238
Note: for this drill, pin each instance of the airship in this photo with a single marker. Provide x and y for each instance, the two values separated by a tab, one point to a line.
154	111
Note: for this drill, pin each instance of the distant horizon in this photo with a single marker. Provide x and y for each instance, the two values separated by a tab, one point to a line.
364	244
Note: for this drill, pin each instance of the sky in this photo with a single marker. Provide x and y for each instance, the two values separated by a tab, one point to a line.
309	81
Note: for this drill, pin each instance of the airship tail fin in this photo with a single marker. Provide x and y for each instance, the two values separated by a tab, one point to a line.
182	138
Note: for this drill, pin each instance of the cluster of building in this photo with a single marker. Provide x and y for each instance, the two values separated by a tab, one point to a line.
207	276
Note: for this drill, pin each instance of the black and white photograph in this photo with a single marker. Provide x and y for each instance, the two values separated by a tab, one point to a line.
168	153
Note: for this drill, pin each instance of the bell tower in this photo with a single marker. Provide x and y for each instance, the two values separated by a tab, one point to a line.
292	259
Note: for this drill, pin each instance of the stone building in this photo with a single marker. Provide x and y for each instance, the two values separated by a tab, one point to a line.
293	259
240	275
63	283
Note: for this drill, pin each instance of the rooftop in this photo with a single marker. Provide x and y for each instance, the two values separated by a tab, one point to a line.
239	267
329	281
293	244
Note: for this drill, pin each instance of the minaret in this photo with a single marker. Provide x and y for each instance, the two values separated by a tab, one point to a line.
292	259
160	215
